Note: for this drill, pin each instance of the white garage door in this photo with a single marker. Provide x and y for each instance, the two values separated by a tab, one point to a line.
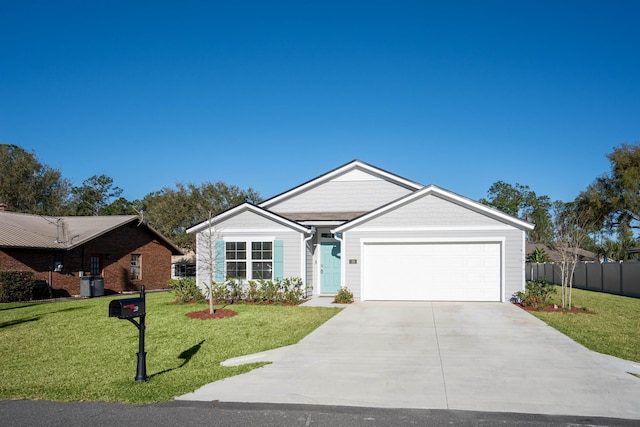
431	271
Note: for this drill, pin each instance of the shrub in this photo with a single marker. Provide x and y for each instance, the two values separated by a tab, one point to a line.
270	290
16	286
235	290
288	290
186	290
253	293
219	291
293	291
538	255
537	294
344	296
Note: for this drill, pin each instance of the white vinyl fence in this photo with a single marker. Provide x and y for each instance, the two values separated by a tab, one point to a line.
612	277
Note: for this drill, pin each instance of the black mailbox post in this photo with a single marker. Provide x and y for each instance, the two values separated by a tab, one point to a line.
129	309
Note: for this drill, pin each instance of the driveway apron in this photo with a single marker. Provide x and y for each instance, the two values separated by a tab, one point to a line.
437	355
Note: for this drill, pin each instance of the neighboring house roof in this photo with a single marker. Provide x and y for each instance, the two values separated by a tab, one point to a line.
188	257
354	165
448	195
18	230
554	255
246	206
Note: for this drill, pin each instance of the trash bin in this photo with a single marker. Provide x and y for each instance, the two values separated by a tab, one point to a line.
85	286
98	286
91	286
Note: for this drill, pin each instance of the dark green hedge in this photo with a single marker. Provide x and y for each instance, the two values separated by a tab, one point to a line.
16	286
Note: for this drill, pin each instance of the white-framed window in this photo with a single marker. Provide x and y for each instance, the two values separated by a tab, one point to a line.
256	263
236	256
262	260
183	270
135	267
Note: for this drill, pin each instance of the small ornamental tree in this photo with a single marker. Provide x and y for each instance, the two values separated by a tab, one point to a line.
206	250
570	229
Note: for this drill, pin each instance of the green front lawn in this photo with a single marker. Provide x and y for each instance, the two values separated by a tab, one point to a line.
72	351
613	329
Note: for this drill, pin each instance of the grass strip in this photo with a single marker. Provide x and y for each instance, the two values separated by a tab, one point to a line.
613	329
72	351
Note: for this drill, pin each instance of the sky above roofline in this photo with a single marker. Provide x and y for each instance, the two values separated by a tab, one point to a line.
269	95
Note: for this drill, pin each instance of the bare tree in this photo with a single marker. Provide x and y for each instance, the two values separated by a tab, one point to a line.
206	259
570	229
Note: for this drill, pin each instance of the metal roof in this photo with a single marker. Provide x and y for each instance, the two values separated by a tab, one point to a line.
18	230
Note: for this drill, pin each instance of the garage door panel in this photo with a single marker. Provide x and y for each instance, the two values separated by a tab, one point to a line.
432	271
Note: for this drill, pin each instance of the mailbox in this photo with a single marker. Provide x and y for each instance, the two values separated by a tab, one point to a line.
127	308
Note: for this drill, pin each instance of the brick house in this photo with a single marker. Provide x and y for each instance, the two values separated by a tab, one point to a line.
63	251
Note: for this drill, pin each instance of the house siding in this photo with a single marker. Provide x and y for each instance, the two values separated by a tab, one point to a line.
342	196
432	217
434	211
253	227
248	220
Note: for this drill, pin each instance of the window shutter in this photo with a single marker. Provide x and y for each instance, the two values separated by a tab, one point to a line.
218	260
278	260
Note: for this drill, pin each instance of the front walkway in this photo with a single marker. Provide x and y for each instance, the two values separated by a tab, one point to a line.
437	355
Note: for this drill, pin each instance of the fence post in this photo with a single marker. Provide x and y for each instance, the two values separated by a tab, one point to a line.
586	275
621	288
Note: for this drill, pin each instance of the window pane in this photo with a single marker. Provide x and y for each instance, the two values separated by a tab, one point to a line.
262	270
236	250
135	266
261	250
94	266
237	270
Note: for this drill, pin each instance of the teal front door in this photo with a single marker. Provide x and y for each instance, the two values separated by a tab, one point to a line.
329	267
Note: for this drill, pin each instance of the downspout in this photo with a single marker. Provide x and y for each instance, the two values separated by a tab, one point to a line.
303	262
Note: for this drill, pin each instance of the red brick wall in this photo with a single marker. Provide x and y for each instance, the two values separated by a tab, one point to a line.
115	249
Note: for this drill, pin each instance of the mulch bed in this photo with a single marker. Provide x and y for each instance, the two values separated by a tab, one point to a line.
221	313
550	308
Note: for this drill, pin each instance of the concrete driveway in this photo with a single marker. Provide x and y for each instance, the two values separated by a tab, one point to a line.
437	355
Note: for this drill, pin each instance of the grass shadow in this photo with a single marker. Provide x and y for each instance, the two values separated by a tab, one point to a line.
38	317
185	356
16	307
17	322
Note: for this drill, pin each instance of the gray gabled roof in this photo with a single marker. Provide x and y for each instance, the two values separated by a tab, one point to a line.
353	165
441	192
19	230
246	206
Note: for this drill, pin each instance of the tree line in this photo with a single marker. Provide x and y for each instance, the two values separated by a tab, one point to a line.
602	218
28	186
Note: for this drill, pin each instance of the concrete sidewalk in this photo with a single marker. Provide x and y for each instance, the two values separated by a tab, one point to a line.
437	355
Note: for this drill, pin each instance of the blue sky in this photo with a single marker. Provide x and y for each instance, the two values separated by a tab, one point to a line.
271	94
